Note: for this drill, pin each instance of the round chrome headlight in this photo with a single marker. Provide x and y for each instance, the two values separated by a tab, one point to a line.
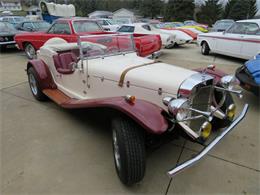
179	108
229	81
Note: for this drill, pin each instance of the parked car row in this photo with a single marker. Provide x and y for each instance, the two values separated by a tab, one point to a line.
70	28
149	37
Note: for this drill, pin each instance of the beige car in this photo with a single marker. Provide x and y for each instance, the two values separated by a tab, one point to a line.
149	100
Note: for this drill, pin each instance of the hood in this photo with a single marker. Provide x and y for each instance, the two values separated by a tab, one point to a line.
211	34
9	32
159	76
154	76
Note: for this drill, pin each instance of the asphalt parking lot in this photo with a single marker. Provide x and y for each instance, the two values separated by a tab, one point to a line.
48	150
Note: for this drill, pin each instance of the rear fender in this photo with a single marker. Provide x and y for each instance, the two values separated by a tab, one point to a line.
43	74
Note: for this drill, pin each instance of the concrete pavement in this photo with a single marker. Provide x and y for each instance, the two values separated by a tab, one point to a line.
49	150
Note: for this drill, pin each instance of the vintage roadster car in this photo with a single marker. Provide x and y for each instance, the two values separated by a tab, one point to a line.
150	98
249	75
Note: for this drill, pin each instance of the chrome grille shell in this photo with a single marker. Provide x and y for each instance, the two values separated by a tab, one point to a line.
199	90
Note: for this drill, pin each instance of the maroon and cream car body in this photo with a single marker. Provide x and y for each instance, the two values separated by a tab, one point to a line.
149	97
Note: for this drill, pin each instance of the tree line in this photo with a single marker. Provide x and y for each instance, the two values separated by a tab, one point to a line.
171	10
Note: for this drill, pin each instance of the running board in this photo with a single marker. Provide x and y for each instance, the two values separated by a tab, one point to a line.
57	96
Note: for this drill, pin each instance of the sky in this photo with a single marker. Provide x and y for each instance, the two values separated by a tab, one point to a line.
225	1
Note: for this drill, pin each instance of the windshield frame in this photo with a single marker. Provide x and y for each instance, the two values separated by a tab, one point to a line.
83	57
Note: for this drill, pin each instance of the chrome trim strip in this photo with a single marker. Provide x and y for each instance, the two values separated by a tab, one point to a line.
8	42
193	160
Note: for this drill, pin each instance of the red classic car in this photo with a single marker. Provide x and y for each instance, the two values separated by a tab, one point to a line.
70	28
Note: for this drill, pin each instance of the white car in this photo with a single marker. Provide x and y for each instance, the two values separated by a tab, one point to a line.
147	99
168	40
241	40
108	24
180	37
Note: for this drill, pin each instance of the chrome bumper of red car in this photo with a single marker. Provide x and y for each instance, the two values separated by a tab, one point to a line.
7	43
205	151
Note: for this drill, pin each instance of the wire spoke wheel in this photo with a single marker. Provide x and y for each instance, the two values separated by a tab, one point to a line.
30	51
32	83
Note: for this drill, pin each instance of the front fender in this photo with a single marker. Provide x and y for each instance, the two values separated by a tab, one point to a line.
146	114
43	74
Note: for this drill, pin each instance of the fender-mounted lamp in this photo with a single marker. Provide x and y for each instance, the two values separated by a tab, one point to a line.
206	130
130	99
231	112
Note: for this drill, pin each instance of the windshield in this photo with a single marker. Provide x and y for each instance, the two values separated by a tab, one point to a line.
18	19
95	46
178	24
167	25
157	26
5	26
123	21
41	25
111	22
190	22
83	26
223	25
127	29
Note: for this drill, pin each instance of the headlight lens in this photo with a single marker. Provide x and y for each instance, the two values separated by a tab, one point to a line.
182	114
229	81
179	108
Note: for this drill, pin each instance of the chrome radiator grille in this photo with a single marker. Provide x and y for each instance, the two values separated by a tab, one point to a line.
201	100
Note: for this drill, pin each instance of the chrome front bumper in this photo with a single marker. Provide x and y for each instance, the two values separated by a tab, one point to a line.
205	151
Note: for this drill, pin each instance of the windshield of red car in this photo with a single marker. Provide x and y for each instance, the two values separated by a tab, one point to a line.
41	25
83	26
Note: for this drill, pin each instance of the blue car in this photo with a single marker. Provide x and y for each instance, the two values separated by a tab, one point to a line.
249	75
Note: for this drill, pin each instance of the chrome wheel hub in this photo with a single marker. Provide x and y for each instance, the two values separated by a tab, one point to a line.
33	85
203	48
116	150
30	51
